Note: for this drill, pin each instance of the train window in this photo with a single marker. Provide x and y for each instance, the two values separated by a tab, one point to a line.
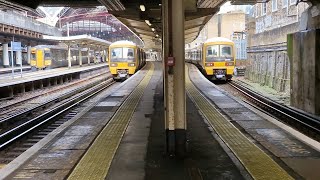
225	51
128	54
122	54
116	54
47	55
213	50
33	55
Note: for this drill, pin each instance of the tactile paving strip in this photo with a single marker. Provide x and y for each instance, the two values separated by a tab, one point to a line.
96	162
258	163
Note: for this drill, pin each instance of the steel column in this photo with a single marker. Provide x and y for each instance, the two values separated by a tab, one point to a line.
18	57
69	56
88	55
175	97
80	57
94	57
28	54
5	55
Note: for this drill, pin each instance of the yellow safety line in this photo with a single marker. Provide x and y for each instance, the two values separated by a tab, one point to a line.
258	163
96	162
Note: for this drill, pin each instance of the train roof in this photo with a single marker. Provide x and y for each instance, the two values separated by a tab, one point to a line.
123	43
218	39
58	47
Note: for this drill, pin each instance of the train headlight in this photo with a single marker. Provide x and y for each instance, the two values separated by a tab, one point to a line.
131	64
113	64
229	64
209	64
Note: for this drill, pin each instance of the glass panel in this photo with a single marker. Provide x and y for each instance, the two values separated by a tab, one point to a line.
122	55
128	54
212	52
225	51
33	55
116	54
47	55
219	53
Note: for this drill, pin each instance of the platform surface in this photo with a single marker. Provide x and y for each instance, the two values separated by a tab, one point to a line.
121	136
43	74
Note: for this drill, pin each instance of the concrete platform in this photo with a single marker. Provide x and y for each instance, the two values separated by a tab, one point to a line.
16	69
36	80
141	151
293	151
55	156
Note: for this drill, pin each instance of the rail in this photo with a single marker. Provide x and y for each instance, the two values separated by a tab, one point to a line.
16	133
307	123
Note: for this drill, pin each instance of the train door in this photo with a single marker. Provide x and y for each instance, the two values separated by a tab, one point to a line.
40	59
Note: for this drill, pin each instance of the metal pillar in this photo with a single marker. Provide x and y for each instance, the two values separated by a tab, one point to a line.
80	57
103	55
94	57
28	54
18	57
174	77
69	57
5	55
88	55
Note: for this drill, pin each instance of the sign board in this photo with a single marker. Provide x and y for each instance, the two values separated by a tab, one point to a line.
16	46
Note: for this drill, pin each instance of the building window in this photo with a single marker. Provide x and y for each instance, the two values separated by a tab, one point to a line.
263	9
284	3
274	5
256	10
292	2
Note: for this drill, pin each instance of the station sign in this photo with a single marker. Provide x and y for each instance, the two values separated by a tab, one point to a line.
16	46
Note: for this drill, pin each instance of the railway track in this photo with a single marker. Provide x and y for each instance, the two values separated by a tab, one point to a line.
9	107
21	111
65	103
304	122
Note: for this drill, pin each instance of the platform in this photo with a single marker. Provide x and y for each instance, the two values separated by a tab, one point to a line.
17	69
42	78
121	136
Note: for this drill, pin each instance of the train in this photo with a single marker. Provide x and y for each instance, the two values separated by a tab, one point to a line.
216	58
51	56
125	58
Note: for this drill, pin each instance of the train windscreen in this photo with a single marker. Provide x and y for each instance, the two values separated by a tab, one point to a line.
122	55
33	55
219	53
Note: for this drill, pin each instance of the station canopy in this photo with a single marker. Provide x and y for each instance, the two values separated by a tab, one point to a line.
80	40
144	17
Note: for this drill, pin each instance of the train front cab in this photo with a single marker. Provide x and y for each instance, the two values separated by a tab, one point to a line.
33	60
123	60
219	60
40	58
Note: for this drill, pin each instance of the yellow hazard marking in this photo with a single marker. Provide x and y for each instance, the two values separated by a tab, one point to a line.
96	162
257	163
2	165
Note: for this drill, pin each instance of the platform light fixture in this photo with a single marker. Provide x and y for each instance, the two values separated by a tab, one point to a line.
142	8
148	22
157	35
152	29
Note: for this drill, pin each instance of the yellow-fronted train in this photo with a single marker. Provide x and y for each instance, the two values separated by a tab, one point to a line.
125	58
215	58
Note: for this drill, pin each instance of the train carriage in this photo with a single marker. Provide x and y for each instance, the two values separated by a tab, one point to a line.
49	57
215	57
125	58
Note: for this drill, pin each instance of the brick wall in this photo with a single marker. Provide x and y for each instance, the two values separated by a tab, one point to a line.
268	62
